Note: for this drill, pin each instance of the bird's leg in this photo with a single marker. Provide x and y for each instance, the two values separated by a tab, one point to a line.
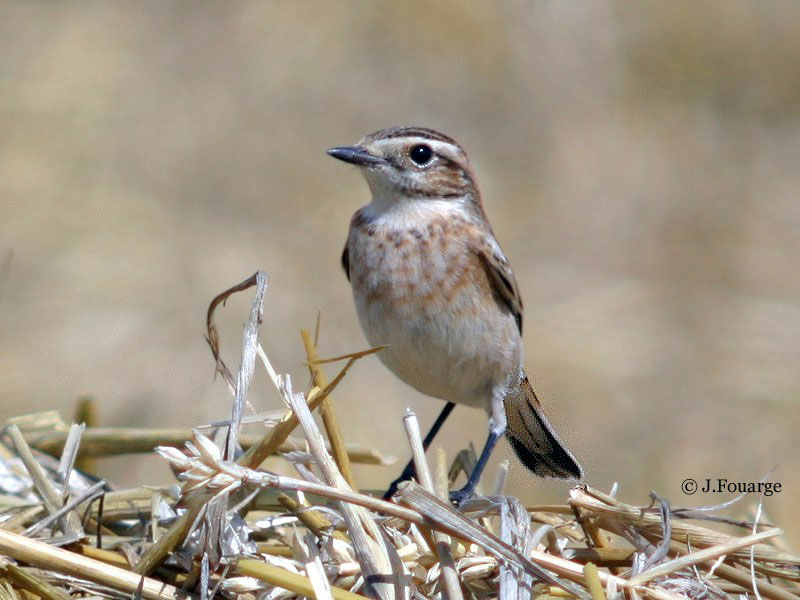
497	427
409	472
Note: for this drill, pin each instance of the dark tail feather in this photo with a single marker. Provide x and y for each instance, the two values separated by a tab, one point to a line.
537	445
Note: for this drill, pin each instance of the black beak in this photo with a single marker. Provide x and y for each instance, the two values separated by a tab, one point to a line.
356	155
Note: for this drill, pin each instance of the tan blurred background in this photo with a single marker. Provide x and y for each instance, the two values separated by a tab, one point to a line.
640	163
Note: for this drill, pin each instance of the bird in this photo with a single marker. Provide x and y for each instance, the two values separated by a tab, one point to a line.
431	282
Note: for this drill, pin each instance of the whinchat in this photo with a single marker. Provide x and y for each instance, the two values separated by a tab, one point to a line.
430	280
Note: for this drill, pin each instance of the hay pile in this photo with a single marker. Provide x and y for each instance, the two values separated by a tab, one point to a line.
233	530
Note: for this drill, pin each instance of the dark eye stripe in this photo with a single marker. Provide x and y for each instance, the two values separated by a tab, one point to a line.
455	166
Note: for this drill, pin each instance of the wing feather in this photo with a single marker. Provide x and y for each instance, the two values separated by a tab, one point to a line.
501	278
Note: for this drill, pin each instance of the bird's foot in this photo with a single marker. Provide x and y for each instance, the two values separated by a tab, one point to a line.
459	497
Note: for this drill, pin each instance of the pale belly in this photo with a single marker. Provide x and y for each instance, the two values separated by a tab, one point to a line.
431	303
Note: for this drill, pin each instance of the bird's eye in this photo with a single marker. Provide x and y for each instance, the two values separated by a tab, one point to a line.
421	154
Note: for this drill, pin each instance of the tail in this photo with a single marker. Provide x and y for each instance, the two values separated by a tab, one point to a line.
535	442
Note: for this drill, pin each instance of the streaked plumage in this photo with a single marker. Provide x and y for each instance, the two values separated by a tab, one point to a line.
430	280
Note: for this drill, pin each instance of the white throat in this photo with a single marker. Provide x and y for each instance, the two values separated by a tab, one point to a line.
388	202
407	212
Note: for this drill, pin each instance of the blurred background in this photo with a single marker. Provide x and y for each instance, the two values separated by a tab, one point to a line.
640	164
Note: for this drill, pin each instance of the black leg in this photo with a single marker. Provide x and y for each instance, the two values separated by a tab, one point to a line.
408	472
459	496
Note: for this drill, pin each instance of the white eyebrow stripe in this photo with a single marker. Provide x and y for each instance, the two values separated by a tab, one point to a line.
438	146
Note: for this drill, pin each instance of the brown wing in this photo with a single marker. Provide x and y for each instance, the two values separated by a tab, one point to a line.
346	262
501	277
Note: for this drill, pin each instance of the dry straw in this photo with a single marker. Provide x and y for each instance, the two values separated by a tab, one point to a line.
235	529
